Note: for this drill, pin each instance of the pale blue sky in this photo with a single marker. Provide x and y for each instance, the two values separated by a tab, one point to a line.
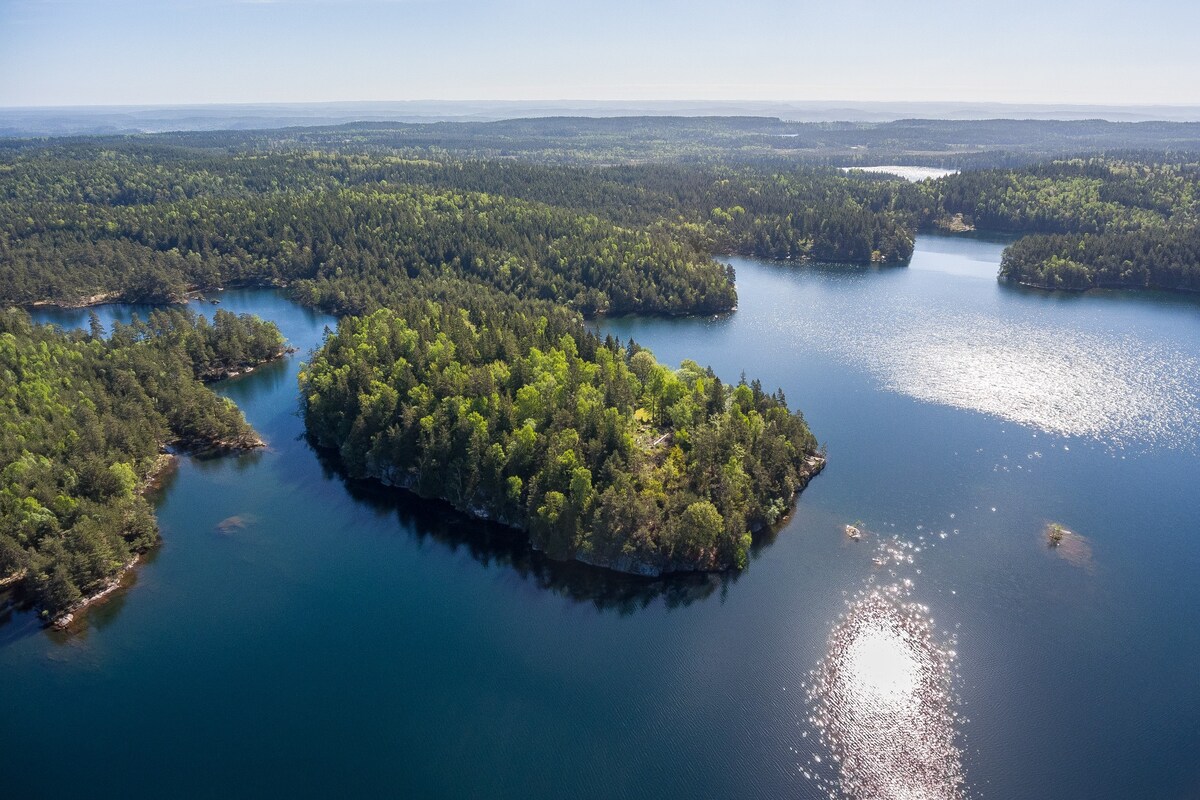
63	52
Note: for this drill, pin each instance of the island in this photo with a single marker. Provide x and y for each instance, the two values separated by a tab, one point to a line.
599	452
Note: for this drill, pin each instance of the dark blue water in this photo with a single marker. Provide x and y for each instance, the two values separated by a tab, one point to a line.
348	641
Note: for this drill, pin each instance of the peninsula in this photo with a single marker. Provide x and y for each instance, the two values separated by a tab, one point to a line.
90	422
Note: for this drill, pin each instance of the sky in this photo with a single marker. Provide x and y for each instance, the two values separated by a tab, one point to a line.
154	52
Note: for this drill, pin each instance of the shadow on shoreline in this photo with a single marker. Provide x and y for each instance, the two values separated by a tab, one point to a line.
492	544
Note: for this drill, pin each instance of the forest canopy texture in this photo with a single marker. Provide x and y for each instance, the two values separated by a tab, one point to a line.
1117	222
148	223
596	449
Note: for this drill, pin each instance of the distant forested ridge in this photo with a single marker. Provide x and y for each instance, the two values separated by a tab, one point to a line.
1128	221
85	420
690	140
519	414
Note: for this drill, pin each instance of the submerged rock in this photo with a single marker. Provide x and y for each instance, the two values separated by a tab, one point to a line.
231	524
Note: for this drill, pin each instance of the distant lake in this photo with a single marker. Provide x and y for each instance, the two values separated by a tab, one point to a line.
343	640
908	173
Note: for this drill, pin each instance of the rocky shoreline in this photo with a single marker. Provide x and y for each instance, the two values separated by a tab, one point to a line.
15	578
954	224
113	584
153	480
813	464
1112	287
84	302
245	368
191	293
156	475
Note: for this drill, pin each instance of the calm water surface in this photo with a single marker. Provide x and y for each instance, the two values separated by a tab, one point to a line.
340	640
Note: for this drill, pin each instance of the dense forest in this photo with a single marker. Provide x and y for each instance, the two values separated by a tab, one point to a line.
478	384
86	418
493	261
521	415
149	222
145	218
1127	221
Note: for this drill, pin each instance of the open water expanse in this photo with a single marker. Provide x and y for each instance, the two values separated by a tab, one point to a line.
296	635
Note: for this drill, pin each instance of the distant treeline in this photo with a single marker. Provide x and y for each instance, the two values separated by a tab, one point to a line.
350	231
760	141
347	230
85	418
1129	221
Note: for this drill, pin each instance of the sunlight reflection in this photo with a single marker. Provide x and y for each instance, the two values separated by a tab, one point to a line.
1118	389
885	670
885	705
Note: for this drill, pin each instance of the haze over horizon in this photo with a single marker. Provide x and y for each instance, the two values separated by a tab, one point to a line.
185	52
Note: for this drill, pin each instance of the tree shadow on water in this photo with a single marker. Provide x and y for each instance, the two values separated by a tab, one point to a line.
495	545
17	618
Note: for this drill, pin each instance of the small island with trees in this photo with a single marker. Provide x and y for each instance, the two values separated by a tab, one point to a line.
595	449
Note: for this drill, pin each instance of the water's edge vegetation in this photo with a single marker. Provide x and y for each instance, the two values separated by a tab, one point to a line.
88	420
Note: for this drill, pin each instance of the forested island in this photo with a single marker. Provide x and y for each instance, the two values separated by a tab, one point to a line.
89	419
598	451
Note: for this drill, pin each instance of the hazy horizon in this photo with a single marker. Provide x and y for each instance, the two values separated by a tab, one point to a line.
149	118
665	104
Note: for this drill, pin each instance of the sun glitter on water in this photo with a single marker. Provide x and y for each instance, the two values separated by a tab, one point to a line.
884	705
1120	390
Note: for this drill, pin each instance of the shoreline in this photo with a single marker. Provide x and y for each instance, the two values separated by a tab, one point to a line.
63	621
163	466
814	463
1112	287
13	579
117	297
246	368
103	298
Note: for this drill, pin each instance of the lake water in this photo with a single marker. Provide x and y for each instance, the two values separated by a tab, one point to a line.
909	173
339	640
